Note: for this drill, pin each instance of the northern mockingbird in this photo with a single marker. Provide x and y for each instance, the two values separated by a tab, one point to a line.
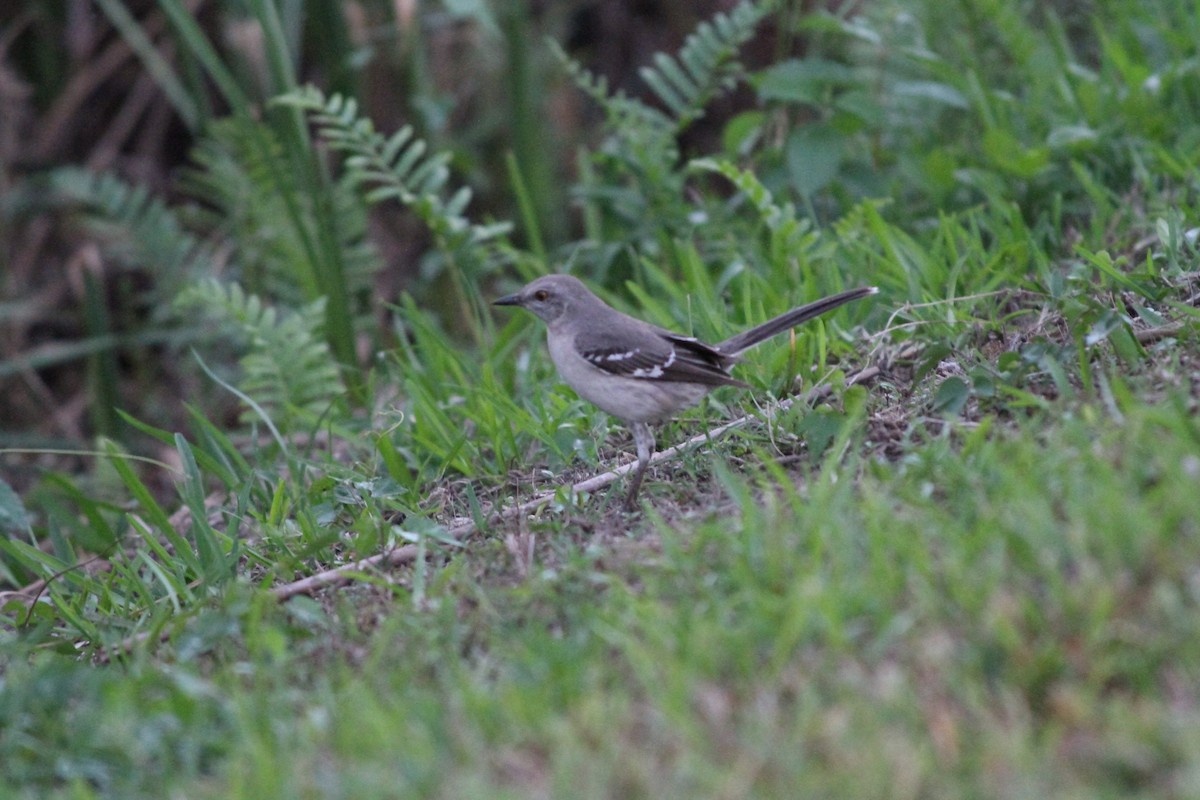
636	371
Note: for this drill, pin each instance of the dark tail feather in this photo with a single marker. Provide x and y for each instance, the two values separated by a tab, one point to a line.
744	341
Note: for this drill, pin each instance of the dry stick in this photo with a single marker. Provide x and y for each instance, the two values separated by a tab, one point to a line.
1151	335
345	573
408	553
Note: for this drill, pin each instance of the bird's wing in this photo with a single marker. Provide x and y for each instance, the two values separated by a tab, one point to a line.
655	355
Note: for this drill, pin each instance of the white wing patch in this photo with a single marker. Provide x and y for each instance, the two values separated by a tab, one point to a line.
600	358
657	370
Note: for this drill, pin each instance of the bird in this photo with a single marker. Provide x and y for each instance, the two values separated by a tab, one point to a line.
638	372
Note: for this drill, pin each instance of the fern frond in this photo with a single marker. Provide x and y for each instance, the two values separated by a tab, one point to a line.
686	83
788	232
237	172
623	112
634	185
706	63
397	167
136	228
288	368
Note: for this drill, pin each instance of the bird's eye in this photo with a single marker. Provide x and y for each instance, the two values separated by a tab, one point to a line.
540	295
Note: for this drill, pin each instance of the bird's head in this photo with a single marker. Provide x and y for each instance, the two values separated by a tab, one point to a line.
551	297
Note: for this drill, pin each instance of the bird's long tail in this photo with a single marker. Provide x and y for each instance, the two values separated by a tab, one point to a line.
747	339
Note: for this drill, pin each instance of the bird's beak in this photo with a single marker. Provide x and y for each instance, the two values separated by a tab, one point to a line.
508	300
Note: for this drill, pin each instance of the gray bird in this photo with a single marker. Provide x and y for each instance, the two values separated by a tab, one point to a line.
636	371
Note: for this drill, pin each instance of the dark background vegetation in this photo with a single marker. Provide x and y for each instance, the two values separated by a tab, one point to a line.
74	92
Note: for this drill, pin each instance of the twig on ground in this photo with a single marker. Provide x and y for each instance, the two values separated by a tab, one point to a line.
1151	335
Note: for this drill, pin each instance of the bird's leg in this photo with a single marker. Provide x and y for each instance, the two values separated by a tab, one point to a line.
643	438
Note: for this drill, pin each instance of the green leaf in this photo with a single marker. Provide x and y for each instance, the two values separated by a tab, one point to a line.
952	396
814	153
1072	137
742	132
13	516
802	81
1108	322
819	428
1010	155
213	561
941	93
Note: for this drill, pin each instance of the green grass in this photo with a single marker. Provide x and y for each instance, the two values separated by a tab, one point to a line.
974	574
1006	615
